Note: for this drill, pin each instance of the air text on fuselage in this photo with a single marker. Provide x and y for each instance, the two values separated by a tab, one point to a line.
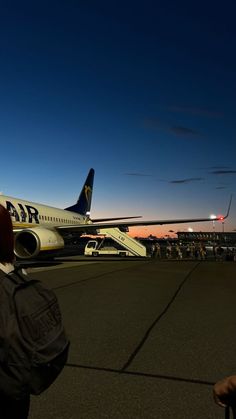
25	213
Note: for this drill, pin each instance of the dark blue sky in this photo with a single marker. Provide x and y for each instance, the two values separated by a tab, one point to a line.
144	92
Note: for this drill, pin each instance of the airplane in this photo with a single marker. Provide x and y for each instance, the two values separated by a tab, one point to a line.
41	230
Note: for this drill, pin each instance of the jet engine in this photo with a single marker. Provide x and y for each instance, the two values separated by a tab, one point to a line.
31	243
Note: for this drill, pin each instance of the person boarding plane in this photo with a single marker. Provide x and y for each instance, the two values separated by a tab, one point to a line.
41	230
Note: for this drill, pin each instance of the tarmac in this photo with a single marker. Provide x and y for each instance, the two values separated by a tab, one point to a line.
149	338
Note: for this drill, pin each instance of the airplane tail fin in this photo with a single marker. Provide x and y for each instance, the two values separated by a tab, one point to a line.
83	203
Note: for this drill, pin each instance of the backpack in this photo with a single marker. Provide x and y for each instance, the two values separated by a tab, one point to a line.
33	344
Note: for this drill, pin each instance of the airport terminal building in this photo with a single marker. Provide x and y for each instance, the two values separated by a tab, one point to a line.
212	236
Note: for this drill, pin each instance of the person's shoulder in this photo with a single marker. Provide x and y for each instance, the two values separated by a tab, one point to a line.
7	267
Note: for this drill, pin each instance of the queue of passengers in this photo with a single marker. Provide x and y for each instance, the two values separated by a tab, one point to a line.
191	251
178	252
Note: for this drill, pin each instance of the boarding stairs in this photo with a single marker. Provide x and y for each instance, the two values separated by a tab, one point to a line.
132	245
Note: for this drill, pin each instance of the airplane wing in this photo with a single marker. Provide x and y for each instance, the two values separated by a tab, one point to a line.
98	220
93	226
97	226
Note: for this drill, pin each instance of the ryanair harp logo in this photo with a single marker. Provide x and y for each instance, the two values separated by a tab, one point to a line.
88	193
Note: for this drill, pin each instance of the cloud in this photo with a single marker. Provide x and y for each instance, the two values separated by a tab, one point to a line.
174	181
178	130
223	172
195	111
188	180
215	168
183	131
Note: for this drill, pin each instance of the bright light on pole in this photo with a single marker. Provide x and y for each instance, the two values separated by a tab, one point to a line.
213	217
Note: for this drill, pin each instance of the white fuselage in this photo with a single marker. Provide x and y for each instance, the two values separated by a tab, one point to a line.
26	214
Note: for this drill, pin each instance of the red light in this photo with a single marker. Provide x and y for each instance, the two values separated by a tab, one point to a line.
220	217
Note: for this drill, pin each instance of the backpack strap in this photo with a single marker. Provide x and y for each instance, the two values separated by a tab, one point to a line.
17	280
17	277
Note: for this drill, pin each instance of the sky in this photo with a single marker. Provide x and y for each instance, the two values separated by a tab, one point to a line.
143	92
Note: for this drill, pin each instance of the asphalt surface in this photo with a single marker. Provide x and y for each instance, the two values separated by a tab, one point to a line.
148	338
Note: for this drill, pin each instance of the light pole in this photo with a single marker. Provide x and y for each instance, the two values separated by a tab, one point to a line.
213	217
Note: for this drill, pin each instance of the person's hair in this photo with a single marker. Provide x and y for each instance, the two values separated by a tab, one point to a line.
6	237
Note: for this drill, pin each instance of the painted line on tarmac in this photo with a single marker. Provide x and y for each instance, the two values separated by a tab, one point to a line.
142	374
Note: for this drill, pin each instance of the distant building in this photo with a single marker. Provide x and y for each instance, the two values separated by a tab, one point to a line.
211	236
